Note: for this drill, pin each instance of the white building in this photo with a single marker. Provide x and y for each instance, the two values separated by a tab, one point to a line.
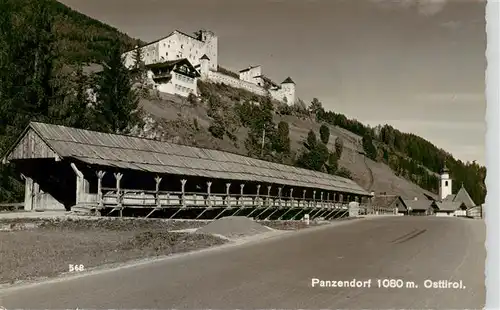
178	45
177	77
451	204
284	92
201	52
444	183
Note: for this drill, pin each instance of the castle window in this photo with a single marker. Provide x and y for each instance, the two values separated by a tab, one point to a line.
445	183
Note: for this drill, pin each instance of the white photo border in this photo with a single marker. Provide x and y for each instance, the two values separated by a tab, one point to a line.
492	215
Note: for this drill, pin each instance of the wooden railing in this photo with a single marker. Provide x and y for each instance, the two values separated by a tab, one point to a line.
148	199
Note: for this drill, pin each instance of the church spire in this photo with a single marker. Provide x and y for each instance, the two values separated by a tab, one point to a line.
445	168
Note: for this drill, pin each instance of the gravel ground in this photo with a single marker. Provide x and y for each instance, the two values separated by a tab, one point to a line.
234	227
296	225
39	248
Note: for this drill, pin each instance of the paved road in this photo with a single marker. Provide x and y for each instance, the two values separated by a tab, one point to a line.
277	273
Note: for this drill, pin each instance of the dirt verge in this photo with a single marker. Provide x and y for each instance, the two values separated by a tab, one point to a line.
40	248
297	225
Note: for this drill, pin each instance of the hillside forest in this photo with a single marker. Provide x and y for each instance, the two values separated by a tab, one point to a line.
45	48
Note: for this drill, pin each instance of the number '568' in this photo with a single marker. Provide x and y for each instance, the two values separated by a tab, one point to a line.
77	268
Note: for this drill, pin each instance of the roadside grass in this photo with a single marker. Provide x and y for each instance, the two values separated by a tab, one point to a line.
31	249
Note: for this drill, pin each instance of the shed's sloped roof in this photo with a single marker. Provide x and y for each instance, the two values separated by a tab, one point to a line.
418	204
463	196
384	201
154	156
448	205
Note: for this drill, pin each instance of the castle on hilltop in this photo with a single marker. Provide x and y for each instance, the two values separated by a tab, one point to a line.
176	62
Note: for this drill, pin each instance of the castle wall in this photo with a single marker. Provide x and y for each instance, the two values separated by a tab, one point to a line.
150	54
286	91
249	74
218	77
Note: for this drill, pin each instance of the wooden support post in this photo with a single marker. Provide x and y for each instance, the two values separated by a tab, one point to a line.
228	194
240	200
279	195
157	197
209	185
268	203
268	195
157	192
183	190
28	194
100	176
256	199
208	200
119	200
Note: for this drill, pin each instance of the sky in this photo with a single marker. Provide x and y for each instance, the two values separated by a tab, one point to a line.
418	65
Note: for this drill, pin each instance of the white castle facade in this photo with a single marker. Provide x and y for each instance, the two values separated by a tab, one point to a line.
176	61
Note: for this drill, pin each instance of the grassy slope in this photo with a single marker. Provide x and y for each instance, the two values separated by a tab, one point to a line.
176	117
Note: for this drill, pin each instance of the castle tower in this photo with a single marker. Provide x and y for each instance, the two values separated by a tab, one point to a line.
211	47
444	183
288	87
204	66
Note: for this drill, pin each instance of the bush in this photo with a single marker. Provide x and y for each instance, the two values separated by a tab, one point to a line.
217	131
344	172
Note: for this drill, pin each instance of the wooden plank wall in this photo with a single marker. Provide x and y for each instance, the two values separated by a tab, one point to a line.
31	146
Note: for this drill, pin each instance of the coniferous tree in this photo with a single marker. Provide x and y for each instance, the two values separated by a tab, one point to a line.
324	134
76	111
282	140
339	146
138	69
27	73
369	148
332	164
117	107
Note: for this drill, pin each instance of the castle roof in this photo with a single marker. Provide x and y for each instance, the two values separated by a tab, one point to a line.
205	57
288	80
267	80
174	64
167	36
249	68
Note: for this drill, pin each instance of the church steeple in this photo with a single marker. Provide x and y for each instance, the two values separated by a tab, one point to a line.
445	168
444	183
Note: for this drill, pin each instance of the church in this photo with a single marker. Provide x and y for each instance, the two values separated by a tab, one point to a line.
451	204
